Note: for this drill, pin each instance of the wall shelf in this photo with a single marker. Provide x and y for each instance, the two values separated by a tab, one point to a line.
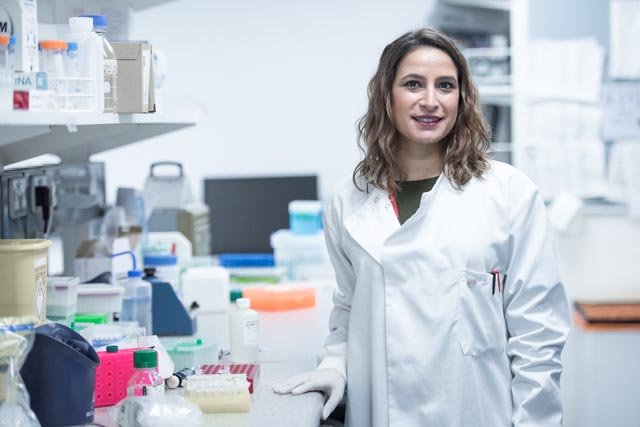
77	136
484	4
137	5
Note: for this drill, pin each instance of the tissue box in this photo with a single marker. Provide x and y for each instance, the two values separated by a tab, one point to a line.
135	92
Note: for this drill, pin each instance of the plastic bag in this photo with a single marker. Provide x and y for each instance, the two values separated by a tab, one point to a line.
158	411
16	340
114	219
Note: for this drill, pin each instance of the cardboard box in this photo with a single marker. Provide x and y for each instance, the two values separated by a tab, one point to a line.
20	18
135	92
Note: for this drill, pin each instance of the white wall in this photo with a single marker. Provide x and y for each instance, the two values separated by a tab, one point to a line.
284	82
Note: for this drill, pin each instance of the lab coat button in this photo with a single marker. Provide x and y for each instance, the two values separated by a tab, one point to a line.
387	206
375	200
471	282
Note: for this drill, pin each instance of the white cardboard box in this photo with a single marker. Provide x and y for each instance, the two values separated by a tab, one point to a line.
20	18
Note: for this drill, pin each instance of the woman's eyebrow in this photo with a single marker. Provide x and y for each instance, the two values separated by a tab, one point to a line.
413	76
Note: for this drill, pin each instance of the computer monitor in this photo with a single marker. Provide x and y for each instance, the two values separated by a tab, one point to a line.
245	211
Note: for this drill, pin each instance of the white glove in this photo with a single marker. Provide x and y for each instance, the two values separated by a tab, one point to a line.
328	381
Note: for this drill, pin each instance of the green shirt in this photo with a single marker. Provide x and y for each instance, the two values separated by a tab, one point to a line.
410	194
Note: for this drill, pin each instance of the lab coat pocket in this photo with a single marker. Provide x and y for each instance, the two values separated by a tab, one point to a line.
481	325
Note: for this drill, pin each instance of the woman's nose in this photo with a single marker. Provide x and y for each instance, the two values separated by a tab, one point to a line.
429	100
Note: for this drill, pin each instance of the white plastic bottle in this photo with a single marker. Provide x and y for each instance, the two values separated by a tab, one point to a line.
243	332
110	63
90	59
137	302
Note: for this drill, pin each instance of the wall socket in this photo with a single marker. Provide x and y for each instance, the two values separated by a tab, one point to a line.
18	202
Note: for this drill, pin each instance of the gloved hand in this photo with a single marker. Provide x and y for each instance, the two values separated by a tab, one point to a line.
328	381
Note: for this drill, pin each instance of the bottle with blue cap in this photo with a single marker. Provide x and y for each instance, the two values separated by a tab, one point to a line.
110	62
137	301
72	60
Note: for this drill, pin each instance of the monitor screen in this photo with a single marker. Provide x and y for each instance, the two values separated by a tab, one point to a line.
245	211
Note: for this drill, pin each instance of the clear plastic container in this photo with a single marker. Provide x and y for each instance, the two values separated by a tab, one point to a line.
137	302
62	291
243	332
99	298
192	353
305	216
72	60
110	62
145	380
52	58
304	256
6	74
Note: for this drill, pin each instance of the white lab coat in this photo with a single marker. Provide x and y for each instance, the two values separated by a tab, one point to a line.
415	327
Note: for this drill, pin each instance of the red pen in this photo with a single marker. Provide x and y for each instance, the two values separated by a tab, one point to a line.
496	276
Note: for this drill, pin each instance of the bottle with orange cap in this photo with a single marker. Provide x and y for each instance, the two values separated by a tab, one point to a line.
52	53
6	74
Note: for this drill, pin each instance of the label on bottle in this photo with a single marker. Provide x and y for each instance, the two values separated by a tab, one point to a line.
250	332
110	67
146	77
146	390
110	71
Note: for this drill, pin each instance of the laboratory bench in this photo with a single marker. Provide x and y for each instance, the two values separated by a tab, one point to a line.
289	344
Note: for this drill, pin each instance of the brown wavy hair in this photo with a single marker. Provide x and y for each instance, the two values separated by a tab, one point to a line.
465	147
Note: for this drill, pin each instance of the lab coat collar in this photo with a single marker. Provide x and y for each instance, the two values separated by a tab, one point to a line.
375	221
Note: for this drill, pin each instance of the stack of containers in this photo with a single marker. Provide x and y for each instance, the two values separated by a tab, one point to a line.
62	299
302	249
250	269
99	299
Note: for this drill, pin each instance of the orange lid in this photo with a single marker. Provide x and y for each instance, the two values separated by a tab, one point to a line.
279	297
4	39
53	44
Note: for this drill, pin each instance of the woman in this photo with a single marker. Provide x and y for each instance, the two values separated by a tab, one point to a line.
449	309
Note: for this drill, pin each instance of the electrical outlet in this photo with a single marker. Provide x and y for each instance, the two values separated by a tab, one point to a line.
37	181
18	206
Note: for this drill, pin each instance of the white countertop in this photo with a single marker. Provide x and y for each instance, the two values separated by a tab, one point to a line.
289	345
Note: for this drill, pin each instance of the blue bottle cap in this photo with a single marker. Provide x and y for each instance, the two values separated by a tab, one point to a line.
158	260
100	22
72	47
134	273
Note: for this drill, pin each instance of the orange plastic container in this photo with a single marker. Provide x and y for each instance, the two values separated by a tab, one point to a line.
279	297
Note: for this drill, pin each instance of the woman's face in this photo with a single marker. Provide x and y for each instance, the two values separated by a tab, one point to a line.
424	96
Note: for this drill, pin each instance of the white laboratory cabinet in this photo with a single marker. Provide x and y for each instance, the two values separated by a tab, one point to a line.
601	379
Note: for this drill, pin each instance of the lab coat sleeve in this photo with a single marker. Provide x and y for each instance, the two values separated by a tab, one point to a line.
536	310
334	351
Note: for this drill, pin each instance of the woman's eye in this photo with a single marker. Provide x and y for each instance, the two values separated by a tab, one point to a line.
447	86
412	84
